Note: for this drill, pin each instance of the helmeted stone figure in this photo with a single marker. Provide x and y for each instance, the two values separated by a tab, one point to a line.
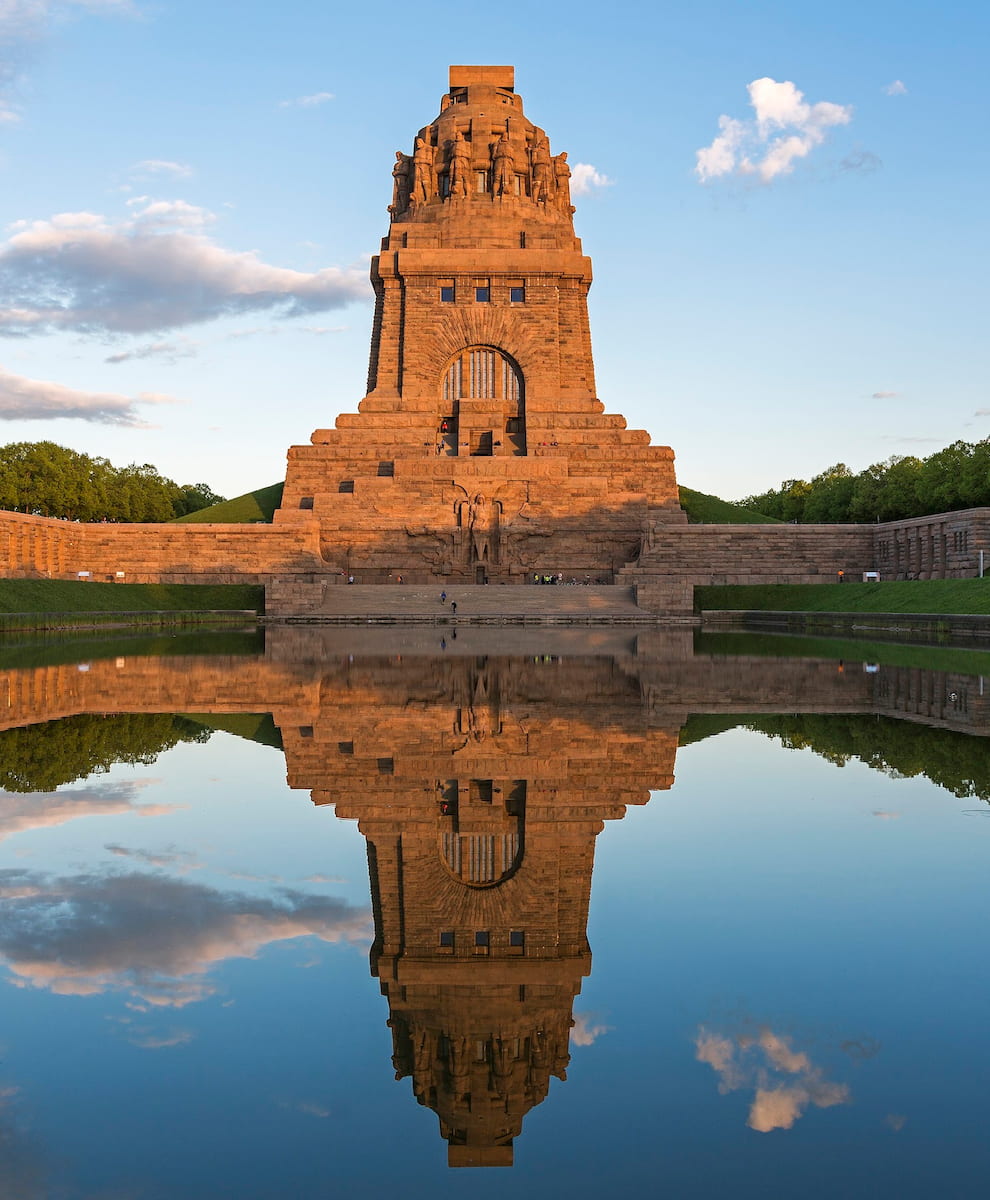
460	166
424	185
402	182
504	168
542	170
562	181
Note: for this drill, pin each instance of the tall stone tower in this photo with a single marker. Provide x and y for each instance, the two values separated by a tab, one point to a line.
481	451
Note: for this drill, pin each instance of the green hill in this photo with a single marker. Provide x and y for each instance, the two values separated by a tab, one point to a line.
710	510
251	508
261	505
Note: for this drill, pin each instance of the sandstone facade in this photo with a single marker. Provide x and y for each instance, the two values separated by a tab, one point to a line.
481	452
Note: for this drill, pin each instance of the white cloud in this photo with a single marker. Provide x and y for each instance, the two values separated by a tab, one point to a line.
313	101
21	811
783	130
169	352
154	270
146	1039
585	177
23	399
152	937
785	1081
895	89
161	166
23	23
587	1029
884	395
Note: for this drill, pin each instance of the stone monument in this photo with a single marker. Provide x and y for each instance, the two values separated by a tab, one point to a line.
481	452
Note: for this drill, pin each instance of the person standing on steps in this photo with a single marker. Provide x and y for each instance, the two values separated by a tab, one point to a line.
443	597
453	608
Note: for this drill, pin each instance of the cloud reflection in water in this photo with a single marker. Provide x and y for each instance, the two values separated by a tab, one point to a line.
784	1081
150	935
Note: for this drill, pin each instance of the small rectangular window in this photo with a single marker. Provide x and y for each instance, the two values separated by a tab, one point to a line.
517	937
386	766
447	939
306	502
447	293
482	290
306	731
481	181
517	295
482	938
345	747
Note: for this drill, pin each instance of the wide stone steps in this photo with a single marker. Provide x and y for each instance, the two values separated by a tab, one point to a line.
476	604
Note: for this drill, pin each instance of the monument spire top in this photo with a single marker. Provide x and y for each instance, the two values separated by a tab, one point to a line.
500	77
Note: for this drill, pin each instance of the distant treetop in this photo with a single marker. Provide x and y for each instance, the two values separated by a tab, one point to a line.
950	479
49	480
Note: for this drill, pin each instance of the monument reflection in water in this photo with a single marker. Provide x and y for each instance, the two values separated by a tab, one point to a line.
481	781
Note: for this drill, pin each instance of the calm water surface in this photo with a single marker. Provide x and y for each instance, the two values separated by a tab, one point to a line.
567	915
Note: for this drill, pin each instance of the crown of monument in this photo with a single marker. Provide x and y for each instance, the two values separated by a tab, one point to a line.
481	150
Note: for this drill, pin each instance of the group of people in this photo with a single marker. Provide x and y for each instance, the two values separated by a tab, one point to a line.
558	578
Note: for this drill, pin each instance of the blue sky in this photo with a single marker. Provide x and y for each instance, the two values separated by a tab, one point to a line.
190	193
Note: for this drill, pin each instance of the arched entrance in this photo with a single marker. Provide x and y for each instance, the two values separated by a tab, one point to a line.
482	404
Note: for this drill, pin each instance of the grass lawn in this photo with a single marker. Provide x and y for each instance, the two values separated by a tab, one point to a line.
69	596
710	510
958	596
252	507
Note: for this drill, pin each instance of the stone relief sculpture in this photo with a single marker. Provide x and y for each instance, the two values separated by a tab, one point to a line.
482	521
460	166
504	173
542	172
424	184
401	182
562	178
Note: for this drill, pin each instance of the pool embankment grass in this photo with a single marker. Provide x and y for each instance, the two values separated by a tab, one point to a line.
959	597
67	604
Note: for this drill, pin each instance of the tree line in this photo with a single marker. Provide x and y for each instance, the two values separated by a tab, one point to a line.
49	480
41	758
902	486
954	760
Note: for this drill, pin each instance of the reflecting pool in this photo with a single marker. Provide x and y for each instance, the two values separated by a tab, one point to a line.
309	912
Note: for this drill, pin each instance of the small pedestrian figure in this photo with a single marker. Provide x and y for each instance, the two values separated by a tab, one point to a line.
443	597
443	643
453	608
350	578
400	579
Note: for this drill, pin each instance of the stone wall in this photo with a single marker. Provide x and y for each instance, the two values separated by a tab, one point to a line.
940	546
41	548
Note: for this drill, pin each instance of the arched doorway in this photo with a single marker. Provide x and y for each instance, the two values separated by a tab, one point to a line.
482	404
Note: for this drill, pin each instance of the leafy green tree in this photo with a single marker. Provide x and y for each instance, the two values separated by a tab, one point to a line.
52	481
40	758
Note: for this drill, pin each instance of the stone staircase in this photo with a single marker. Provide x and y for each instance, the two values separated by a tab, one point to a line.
385	604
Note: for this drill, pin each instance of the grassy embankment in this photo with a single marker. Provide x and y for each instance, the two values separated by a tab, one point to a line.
943	596
62	603
251	508
703	509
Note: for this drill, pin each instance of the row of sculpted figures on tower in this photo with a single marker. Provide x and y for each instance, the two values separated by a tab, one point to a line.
451	171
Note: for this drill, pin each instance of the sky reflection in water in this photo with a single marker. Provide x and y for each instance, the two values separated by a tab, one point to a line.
789	988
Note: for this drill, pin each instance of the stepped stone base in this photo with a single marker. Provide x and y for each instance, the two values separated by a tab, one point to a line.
317	601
